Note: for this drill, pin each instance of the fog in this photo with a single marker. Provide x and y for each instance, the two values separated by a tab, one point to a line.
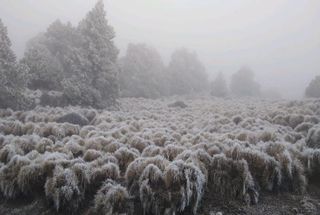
278	39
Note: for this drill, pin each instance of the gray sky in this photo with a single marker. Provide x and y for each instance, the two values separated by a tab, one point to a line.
278	39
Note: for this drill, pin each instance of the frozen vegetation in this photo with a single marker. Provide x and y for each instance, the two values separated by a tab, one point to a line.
152	158
87	132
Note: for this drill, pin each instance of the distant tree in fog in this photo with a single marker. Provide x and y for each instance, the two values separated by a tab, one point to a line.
13	75
313	90
219	86
186	73
243	83
142	72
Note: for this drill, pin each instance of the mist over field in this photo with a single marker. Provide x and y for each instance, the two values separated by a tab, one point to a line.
159	107
278	39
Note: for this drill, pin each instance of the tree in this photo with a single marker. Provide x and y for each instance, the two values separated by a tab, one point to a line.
80	62
13	76
142	72
101	54
187	74
313	89
45	69
219	86
243	83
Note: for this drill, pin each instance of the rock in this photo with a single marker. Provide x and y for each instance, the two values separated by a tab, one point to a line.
179	104
73	118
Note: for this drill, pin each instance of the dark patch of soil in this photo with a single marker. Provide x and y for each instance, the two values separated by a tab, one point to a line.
269	204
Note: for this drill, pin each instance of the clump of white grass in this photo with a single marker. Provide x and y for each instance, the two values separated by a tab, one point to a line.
9	183
63	191
111	198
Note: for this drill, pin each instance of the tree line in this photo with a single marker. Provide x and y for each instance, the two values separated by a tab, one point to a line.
79	65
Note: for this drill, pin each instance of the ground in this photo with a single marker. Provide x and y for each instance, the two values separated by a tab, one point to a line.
228	156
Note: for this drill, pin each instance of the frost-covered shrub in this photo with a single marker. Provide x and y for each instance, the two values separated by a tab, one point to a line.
185	183
125	156
91	155
264	168
303	128
153	195
63	190
44	145
232	179
9	183
267	136
8	152
313	138
280	120
168	158
152	151
171	151
82	172
74	147
138	143
136	168
311	159
84	131
100	174
111	198
106	158
293	175
31	178
295	120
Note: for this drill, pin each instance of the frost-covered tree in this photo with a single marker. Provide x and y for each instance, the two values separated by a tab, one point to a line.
313	90
142	72
78	61
45	70
187	74
219	86
243	83
13	76
101	54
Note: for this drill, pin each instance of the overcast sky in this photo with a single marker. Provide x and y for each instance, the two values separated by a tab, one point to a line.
278	39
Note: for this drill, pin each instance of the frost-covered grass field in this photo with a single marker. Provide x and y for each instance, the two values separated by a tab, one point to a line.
151	158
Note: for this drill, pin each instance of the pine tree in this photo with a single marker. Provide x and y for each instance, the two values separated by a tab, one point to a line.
98	47
219	86
12	75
